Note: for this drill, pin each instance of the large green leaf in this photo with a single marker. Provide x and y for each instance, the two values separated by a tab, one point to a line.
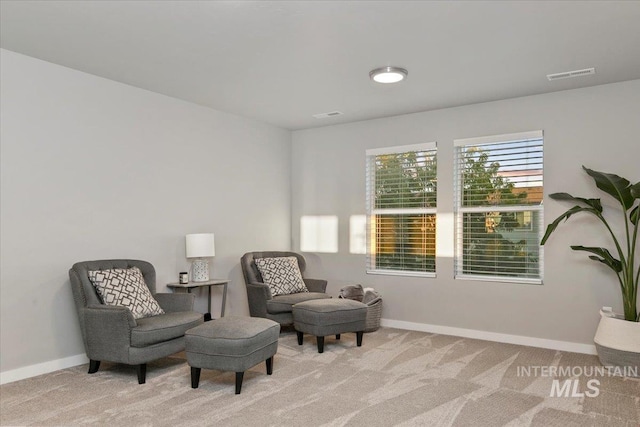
565	216
634	215
635	190
605	257
616	186
594	203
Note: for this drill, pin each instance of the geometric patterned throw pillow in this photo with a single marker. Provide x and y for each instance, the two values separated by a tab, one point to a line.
282	274
125	287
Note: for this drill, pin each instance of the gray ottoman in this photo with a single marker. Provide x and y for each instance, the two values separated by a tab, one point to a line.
231	344
324	317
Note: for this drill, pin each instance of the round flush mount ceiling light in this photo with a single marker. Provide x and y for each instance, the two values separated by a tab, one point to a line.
388	74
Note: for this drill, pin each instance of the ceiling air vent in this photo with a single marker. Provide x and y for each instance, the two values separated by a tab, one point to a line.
329	114
570	74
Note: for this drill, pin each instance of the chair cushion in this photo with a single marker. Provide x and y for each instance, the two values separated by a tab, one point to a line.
157	329
282	274
283	303
125	287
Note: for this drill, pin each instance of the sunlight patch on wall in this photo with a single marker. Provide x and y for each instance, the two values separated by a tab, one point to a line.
358	234
319	233
445	246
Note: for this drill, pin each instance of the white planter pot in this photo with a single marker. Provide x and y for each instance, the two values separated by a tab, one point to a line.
618	342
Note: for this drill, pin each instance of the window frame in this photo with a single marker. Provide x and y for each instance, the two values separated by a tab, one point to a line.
372	211
460	210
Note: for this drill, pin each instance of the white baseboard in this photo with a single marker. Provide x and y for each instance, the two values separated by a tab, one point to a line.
491	336
80	359
42	368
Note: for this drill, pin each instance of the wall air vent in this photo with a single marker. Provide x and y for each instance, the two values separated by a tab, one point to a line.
329	114
570	74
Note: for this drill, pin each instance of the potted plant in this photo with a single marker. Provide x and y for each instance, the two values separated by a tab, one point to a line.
618	337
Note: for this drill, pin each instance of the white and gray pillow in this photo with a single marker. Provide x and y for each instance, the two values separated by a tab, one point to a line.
282	274
125	287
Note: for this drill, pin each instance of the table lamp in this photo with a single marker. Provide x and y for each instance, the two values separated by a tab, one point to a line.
200	246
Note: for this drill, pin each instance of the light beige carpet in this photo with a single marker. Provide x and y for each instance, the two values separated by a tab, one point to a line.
397	378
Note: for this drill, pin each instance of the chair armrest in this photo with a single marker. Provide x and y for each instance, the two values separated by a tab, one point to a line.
108	332
316	285
258	294
172	303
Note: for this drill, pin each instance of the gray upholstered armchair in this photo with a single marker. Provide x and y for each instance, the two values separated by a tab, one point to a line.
112	334
278	308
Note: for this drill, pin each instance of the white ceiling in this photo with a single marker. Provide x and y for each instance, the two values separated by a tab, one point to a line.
283	61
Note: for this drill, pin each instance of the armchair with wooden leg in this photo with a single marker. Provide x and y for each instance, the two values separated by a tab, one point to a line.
115	333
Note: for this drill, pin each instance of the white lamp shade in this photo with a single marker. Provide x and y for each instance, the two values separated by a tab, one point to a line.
200	245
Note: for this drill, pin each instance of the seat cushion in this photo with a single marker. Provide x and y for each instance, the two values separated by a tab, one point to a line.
283	303
157	329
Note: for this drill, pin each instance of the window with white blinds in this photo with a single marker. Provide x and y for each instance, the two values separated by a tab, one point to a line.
401	210
498	207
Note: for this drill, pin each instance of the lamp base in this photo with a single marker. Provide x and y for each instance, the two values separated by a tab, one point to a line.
200	270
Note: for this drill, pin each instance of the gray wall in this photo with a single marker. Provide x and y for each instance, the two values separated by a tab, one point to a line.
92	169
95	169
597	127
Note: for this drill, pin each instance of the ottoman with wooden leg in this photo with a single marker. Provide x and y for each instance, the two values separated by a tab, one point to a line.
324	317
231	344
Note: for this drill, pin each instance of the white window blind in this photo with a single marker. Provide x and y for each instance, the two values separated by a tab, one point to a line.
498	207
401	210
